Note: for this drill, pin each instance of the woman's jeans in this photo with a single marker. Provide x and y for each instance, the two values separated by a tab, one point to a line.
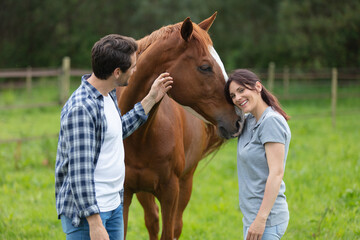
112	221
271	233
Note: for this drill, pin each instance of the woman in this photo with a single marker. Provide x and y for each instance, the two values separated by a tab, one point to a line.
261	155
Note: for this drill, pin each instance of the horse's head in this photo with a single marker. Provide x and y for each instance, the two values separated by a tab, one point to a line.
185	50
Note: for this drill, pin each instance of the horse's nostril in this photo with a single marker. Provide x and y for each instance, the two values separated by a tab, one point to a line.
224	133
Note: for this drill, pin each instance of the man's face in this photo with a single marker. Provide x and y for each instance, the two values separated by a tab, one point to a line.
124	77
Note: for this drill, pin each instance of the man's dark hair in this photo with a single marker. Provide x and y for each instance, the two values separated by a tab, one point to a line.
111	52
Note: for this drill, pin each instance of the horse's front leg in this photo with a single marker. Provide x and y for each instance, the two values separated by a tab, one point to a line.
186	183
168	196
128	194
151	212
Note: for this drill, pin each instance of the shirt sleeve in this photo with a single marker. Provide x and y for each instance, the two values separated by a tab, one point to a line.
273	129
81	141
133	119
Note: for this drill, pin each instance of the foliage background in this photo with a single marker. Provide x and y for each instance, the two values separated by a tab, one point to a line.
308	33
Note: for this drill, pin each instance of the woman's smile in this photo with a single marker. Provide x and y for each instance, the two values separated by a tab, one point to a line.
243	103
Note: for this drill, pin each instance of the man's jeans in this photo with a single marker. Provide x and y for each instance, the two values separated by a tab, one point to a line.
112	221
271	233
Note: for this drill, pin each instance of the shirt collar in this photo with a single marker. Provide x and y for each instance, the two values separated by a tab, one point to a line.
263	115
92	90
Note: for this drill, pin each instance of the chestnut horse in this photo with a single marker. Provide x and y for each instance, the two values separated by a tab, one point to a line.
161	156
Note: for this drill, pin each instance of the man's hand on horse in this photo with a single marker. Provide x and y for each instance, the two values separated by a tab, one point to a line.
158	89
160	86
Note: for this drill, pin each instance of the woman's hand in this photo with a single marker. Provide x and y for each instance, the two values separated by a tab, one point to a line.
256	229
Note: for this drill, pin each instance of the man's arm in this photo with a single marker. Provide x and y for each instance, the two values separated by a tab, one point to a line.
133	119
81	144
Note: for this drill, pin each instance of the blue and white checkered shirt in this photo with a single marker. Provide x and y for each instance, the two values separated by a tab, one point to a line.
82	130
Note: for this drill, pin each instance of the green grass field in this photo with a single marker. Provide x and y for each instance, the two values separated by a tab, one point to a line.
322	178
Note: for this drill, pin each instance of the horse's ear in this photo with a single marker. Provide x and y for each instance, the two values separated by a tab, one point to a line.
206	24
186	29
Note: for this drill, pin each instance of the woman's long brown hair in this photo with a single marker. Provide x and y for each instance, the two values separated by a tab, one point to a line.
248	79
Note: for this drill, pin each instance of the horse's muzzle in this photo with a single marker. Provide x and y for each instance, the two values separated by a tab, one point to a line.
235	128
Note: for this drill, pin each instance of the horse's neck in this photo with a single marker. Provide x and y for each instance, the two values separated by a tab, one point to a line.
150	65
139	86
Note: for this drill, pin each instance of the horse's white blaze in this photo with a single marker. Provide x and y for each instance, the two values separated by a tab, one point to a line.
218	60
193	112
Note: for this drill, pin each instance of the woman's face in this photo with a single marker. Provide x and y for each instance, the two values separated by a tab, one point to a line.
244	98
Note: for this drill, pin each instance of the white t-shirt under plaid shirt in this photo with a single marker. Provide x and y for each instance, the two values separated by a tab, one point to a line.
109	172
82	131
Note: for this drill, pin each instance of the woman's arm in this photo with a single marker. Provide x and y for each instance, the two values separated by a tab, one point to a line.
275	153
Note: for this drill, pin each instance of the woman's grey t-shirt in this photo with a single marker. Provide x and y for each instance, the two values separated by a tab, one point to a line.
253	169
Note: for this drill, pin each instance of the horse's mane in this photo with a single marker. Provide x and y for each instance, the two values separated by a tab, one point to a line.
200	36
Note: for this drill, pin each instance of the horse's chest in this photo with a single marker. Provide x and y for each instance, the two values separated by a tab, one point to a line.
148	179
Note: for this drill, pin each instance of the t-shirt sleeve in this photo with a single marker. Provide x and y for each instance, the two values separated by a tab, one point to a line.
273	129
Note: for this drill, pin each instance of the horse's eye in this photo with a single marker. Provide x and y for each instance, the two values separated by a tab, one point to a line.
205	68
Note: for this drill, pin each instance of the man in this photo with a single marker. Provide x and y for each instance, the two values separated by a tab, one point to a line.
90	169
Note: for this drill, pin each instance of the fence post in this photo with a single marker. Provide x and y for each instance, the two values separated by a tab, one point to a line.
286	81
17	154
271	76
64	79
29	80
334	83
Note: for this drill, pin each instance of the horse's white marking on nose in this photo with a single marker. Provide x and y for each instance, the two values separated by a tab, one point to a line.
218	60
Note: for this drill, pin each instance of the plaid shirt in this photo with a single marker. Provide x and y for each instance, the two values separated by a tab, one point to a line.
82	129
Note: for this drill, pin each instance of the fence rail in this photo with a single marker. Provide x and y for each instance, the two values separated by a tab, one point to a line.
36	72
39	72
27	139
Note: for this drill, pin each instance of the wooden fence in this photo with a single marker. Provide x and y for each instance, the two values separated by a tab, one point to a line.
286	78
63	74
